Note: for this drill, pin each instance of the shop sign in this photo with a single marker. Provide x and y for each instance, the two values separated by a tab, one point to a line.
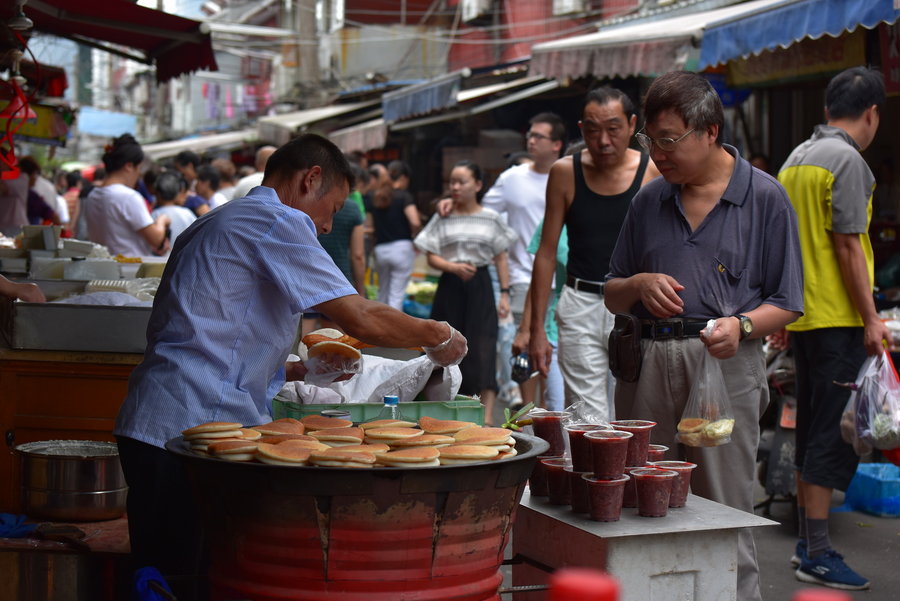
800	60
890	57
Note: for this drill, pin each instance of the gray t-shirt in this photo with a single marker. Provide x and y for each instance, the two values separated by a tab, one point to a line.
745	253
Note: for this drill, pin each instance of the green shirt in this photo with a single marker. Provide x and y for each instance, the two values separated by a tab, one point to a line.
562	256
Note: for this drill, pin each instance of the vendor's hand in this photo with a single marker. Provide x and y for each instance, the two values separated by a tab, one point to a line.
540	352
465	271
521	342
503	306
780	340
29	292
450	352
877	337
444	206
723	342
659	295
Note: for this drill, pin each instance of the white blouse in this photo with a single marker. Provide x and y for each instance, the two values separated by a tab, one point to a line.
474	239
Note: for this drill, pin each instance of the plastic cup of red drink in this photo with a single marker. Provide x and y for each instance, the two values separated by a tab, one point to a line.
609	452
537	483
639	443
682	483
656	452
653	486
559	486
629	496
579	491
579	447
605	497
549	426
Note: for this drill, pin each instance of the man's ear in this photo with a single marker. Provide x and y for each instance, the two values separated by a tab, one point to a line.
713	131
311	180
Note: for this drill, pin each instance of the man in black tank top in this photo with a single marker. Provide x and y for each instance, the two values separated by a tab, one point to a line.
588	193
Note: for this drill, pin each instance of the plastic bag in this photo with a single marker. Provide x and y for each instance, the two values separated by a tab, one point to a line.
322	370
872	415
707	420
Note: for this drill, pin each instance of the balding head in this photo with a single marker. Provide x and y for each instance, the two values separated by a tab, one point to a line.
262	157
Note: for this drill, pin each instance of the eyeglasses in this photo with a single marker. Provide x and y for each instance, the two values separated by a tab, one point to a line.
536	136
664	144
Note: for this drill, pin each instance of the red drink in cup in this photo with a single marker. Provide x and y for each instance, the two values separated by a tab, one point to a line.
549	426
579	488
537	483
559	487
579	447
605	497
629	496
682	483
609	452
656	452
639	443
653	489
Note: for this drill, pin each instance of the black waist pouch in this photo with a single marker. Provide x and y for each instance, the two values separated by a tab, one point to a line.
625	348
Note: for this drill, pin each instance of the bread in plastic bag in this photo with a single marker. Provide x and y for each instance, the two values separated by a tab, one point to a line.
707	420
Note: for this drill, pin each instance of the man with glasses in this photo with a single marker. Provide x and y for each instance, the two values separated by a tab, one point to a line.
830	186
589	193
714	238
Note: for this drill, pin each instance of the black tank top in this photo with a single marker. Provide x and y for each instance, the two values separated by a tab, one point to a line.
593	223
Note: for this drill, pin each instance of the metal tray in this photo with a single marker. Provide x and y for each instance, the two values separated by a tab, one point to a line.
58	327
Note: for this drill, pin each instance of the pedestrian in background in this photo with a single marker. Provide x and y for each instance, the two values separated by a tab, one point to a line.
461	246
396	221
830	186
171	191
713	238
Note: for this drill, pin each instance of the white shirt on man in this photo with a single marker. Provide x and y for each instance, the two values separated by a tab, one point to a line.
520	194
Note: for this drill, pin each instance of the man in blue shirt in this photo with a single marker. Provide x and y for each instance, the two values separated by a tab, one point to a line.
223	322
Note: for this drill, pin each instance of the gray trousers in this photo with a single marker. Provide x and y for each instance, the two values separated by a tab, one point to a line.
724	474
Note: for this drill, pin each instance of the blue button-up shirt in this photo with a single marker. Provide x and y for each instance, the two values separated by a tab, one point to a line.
225	316
746	252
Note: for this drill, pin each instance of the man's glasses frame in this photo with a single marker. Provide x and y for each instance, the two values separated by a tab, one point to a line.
664	144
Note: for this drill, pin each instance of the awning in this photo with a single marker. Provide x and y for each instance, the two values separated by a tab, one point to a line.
530	86
281	128
423	98
174	44
362	136
639	48
199	144
790	21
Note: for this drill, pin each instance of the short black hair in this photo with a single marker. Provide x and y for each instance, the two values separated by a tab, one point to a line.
852	91
605	94
397	169
123	150
306	151
73	178
688	95
29	165
208	173
169	184
557	125
187	157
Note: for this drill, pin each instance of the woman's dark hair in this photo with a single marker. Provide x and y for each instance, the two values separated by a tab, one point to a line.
397	169
361	176
169	184
306	151
123	150
187	157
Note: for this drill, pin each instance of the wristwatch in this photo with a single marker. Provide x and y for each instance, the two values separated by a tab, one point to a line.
746	325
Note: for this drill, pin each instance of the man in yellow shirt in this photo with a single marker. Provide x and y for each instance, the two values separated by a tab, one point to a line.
831	187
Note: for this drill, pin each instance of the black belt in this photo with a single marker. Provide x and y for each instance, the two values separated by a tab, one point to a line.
585	285
665	329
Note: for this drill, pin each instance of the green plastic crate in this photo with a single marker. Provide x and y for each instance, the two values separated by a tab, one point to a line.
462	408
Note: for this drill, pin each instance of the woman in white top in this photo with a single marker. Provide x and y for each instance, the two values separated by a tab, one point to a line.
462	245
171	190
116	215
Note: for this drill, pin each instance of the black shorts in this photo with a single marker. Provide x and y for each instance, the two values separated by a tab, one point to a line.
822	357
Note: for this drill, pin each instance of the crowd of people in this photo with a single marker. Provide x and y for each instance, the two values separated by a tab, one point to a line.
678	231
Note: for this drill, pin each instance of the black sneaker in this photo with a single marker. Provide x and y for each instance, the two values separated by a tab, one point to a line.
830	570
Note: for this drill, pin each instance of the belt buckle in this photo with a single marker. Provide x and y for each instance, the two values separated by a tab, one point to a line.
665	330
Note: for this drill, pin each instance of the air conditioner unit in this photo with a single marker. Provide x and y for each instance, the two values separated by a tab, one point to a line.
476	11
567	7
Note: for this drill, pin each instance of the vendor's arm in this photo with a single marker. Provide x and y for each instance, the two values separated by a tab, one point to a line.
658	293
501	262
852	262
464	271
26	291
560	191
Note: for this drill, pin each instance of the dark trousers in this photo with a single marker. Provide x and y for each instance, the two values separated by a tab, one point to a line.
164	522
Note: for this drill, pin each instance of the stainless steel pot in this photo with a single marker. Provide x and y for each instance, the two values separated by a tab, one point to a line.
72	480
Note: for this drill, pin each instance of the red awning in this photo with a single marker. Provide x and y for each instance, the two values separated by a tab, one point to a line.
175	44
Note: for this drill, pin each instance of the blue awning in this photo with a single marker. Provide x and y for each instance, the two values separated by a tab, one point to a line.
787	22
435	94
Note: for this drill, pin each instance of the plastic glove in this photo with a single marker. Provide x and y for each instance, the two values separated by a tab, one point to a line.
450	352
327	369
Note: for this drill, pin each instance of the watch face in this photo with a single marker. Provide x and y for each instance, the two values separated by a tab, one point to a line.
746	325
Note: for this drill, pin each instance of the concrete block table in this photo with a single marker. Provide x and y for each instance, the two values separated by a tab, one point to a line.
689	555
